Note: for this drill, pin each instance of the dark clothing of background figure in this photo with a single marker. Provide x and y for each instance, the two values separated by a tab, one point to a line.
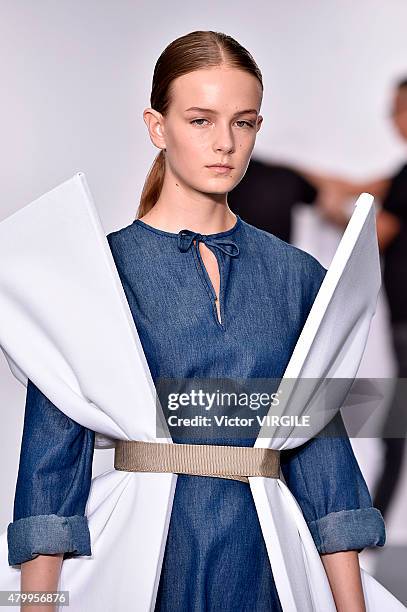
395	257
394	279
266	195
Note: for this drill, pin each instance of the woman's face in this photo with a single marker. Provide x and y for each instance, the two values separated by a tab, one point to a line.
224	133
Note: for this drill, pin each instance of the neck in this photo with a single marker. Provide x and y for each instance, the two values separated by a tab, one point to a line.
180	207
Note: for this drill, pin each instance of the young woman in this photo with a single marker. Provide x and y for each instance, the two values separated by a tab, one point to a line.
212	297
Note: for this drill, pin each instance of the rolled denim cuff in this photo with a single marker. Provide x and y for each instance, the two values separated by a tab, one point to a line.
348	530
47	534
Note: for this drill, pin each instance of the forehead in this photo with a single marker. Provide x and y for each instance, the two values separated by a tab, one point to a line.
222	89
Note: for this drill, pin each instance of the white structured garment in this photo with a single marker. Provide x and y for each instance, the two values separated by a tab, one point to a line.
66	325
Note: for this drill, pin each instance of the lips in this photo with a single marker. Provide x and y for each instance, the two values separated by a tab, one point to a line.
220	166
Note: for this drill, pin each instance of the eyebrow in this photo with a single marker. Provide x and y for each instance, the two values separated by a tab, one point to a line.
209	110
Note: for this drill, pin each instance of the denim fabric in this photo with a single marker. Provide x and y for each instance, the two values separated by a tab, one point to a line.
53	484
215	556
334	498
48	534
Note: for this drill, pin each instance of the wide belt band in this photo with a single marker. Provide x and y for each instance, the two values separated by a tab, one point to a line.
233	462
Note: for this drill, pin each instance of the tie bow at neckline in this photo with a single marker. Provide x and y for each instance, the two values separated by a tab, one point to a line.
224	244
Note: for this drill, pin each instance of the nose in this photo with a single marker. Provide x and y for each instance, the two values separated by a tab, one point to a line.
224	140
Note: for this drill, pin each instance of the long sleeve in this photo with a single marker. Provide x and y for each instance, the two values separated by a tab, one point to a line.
53	484
325	478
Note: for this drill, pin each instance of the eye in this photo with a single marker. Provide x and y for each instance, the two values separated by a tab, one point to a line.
248	123
195	120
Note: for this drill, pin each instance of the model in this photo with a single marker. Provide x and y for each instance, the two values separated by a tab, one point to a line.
212	297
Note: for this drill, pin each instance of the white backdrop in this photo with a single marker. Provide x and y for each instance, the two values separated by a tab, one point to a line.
76	77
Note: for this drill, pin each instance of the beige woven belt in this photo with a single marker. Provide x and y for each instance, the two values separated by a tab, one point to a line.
233	462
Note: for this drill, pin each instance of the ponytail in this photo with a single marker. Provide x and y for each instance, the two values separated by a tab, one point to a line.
152	186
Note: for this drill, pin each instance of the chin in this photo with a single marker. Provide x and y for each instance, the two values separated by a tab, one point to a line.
218	185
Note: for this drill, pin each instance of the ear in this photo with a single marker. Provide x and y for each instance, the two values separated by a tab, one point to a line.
155	124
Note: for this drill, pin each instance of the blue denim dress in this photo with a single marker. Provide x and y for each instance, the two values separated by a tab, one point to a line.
215	556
